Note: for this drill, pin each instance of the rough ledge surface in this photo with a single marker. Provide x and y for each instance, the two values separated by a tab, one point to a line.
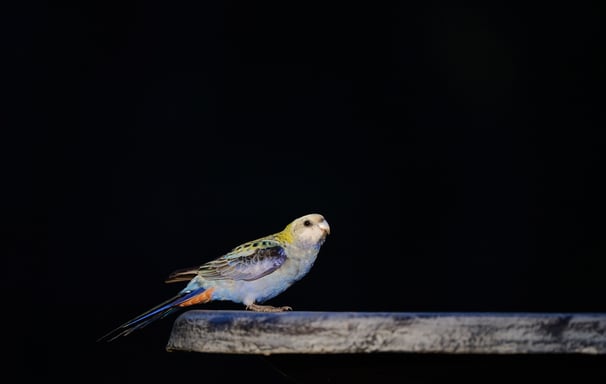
245	332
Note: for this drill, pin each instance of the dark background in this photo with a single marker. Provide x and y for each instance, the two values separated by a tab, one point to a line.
455	152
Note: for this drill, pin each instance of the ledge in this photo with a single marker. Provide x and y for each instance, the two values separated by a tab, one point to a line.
245	332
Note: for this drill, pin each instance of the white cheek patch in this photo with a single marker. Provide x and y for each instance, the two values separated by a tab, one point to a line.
310	235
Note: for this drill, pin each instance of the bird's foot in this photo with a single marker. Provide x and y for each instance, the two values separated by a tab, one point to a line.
266	308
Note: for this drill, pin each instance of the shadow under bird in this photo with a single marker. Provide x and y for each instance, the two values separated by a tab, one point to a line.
251	273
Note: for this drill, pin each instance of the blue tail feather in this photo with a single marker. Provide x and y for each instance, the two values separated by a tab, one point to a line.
153	314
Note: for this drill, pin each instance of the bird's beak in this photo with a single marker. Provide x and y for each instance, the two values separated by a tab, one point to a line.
324	226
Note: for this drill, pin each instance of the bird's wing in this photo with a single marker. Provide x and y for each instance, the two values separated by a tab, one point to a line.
183	274
249	261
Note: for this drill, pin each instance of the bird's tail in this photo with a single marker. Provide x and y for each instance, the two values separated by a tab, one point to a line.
183	299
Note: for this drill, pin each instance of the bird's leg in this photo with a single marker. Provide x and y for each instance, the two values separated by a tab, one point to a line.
266	308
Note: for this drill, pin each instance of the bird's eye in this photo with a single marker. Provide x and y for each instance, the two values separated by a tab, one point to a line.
307	223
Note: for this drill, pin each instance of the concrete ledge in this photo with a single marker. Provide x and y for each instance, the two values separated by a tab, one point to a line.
245	332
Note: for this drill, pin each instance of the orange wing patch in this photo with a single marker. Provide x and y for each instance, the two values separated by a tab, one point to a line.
202	298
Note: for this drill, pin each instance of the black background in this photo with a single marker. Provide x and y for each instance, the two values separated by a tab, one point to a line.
455	152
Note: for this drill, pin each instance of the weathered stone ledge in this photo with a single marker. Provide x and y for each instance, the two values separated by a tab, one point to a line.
245	332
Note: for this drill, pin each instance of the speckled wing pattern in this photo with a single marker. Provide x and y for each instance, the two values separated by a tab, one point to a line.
249	261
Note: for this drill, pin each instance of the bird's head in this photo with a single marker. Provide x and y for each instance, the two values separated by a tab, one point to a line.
308	230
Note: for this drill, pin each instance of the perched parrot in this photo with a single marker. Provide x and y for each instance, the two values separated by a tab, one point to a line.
250	274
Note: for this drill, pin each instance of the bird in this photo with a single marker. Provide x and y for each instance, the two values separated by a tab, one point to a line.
250	274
